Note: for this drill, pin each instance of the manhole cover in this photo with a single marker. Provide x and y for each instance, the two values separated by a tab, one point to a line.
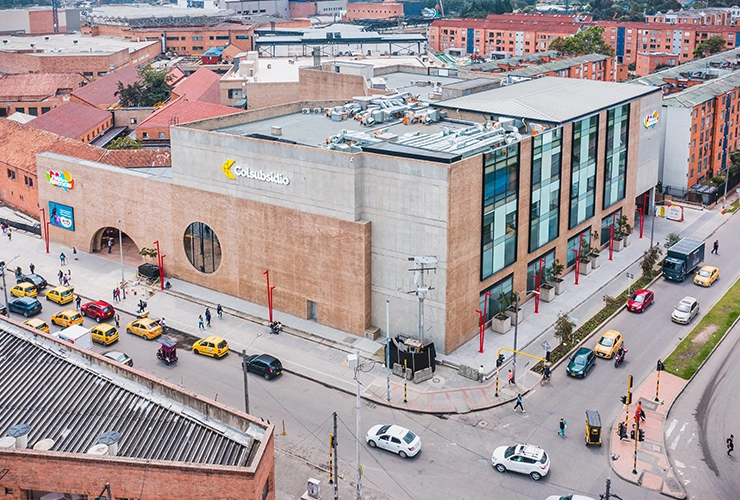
481	462
350	340
482	423
437	380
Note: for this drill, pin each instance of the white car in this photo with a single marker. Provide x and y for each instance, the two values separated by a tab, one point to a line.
522	458
395	439
685	310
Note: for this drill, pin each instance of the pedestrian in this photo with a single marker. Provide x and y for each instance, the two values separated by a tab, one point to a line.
220	311
208	317
114	295
715	247
110	244
519	403
730	445
69	273
18	272
4	228
563	425
163	324
640	412
200	322
32	268
118	294
60	274
118	319
78	300
63	259
65	281
10	234
511	377
481	374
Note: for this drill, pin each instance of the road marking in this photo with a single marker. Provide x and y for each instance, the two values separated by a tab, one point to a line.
693	435
671	427
680	432
679	464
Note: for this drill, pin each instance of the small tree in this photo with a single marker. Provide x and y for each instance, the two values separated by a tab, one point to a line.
708	47
148	252
504	302
556	270
564	328
125	142
650	257
671	239
623	228
610	302
585	248
588	41
595	248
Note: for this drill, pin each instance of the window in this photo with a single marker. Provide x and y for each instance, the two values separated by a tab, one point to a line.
500	185
544	214
222	37
533	269
583	170
28	181
197	48
133	121
45	110
202	247
505	286
20	110
33	111
145	135
11	174
162	135
246	37
574	245
615	175
197	38
606	226
236	94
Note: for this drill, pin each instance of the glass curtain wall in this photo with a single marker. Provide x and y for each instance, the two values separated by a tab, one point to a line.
606	224
534	268
616	154
545	209
583	170
506	286
573	245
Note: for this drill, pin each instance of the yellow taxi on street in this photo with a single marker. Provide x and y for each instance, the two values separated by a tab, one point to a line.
103	333
38	324
144	327
67	317
24	290
706	276
213	346
608	344
61	295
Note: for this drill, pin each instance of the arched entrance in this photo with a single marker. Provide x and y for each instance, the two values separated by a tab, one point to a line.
99	245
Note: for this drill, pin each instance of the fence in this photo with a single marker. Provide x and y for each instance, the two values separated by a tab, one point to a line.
34	228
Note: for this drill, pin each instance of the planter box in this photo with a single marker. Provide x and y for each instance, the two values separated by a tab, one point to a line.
516	316
501	324
618	245
559	286
595	260
626	240
585	267
547	293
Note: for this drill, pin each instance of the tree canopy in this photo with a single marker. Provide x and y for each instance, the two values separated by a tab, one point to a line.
125	142
151	88
481	8
588	41
708	47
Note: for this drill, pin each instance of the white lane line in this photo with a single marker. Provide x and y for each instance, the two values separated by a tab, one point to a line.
679	464
671	427
680	433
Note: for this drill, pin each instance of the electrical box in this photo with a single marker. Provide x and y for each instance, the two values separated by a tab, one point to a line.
314	490
352	361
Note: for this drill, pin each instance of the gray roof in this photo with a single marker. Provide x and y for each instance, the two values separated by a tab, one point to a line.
697	65
549	99
496	63
556	65
64	397
703	92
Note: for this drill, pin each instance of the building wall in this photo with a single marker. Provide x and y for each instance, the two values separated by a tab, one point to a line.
42	21
384	10
263	7
646	63
123	117
19	189
650	142
96	130
34	108
676	143
15	20
331	7
302	9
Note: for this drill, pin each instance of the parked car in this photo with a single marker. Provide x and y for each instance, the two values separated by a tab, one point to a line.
145	327
61	295
522	458
264	364
608	344
119	356
36	280
27	306
24	290
395	439
213	346
99	310
38	324
581	362
104	333
640	300
67	317
685	310
706	276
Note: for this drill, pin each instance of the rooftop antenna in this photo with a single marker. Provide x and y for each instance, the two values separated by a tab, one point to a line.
422	265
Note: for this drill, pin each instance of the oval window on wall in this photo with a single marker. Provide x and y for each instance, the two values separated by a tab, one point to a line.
202	247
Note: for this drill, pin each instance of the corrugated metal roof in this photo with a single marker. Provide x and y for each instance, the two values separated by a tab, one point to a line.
556	65
697	65
704	92
549	99
63	397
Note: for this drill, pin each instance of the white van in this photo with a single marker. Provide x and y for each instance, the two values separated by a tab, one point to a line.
77	335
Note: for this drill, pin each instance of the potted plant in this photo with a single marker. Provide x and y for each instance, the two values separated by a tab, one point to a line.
556	270
585	267
512	311
547	288
501	322
624	229
594	251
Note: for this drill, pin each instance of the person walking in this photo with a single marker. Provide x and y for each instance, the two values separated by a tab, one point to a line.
715	247
60	275
208	317
163	324
110	244
117	318
640	412
730	445
115	299
10	234
563	425
32	268
220	311
200	322
519	403
63	259
511	377
78	300
65	281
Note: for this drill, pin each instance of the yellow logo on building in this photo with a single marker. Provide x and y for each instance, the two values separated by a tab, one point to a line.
226	167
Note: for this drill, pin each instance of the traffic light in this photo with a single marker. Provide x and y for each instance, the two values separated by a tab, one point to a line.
622	431
623	399
500	361
661	366
547	356
640	435
632	434
626	400
629	398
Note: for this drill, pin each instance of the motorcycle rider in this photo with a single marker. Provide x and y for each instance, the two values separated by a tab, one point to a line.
546	372
620	353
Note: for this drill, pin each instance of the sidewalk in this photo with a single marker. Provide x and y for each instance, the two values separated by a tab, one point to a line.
319	353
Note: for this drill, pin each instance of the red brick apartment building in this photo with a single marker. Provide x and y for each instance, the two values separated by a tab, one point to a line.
36	93
383	10
700	17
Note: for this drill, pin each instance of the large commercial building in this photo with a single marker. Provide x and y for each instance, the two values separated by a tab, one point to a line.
341	211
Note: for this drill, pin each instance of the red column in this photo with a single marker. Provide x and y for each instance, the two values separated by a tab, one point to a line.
482	329
269	294
642	219
45	228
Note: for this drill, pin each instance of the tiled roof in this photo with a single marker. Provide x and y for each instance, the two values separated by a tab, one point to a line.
539	69
101	92
62	396
71	120
200	86
21	144
504	25
176	76
37	85
230	52
704	92
696	65
183	111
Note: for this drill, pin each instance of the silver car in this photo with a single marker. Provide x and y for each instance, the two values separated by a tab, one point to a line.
685	310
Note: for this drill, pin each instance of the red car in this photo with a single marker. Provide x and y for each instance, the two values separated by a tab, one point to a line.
99	310
640	300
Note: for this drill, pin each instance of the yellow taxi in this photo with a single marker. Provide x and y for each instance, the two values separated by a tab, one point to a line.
38	324
67	317
609	344
24	290
144	327
213	346
61	295
103	333
706	276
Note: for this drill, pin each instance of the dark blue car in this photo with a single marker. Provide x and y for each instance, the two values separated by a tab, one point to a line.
27	306
38	281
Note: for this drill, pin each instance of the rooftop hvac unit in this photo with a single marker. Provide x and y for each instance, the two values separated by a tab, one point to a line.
99	450
44	445
317	111
20	433
7	442
276	130
306	111
110	440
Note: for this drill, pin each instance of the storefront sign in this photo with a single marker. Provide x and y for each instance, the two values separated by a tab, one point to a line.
231	171
651	120
62	180
674	212
62	216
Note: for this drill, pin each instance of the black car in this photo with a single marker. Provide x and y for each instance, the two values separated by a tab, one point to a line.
581	362
264	364
38	281
27	306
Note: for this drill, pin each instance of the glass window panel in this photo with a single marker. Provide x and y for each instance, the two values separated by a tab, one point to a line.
545	190
583	170
615	176
495	291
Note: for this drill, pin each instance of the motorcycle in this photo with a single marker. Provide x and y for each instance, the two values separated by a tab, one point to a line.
619	358
276	327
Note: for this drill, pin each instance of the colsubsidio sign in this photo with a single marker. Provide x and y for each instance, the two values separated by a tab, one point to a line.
651	120
232	171
62	180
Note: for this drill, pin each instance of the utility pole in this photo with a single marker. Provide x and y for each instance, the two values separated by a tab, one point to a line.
336	462
353	360
422	265
388	342
244	369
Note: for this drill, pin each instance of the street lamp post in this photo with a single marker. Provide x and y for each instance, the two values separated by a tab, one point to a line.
3	266
353	360
120	248
388	343
244	369
45	228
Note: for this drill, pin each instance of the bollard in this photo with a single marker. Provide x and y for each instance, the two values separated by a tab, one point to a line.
657	387
496	383
404	391
284	433
331	459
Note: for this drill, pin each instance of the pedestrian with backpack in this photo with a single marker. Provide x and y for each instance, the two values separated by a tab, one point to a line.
563	425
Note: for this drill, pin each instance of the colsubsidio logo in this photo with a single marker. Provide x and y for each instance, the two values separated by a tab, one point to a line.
62	180
253	174
651	120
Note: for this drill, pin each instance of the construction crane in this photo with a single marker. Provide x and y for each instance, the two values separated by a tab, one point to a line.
55	14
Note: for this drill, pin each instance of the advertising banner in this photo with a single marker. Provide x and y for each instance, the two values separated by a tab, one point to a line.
62	216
